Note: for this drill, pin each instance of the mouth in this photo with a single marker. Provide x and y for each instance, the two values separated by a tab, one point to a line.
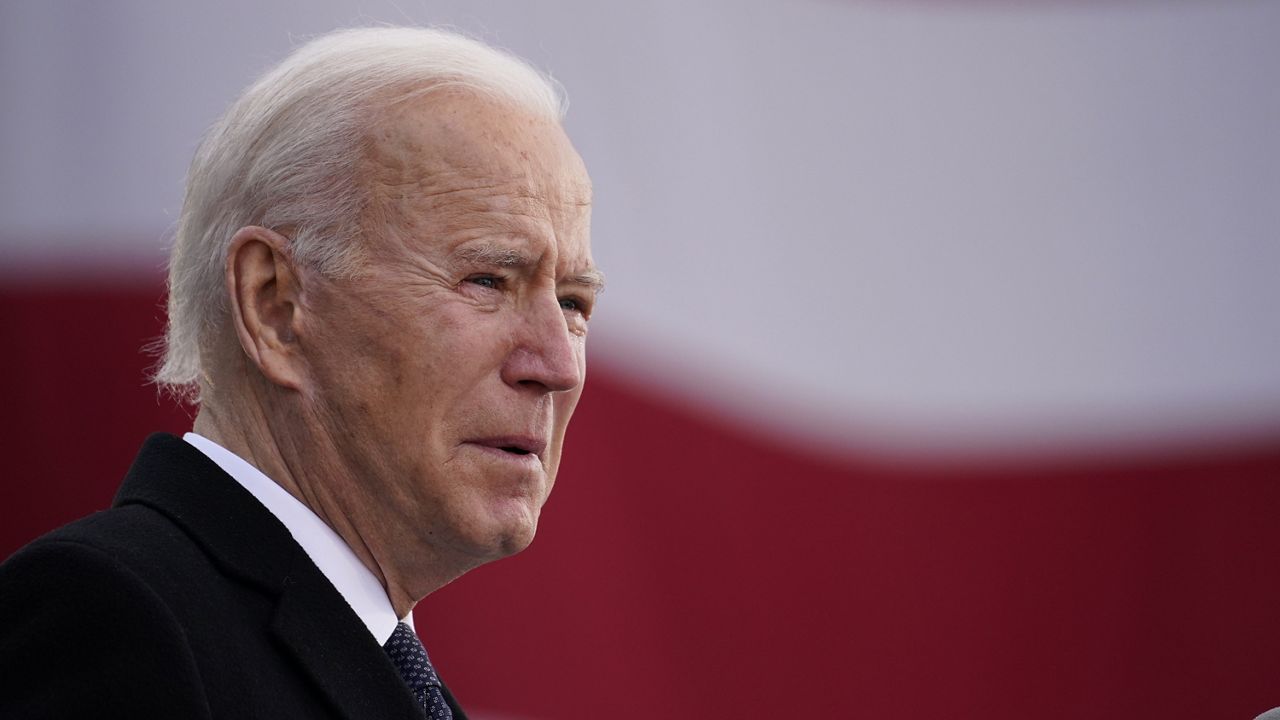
513	446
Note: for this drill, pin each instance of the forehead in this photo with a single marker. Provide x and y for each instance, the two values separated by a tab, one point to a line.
453	152
453	168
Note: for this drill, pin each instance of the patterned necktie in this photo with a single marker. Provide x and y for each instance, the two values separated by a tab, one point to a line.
410	658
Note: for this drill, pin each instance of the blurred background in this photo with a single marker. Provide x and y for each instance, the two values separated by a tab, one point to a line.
938	373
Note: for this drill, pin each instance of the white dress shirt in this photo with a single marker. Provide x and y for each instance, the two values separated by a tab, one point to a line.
325	547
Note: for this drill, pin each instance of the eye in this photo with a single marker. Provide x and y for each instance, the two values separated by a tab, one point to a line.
575	305
492	282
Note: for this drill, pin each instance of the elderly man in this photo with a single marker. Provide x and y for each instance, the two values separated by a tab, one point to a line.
379	297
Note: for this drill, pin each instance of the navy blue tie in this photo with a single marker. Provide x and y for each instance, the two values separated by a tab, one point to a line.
410	658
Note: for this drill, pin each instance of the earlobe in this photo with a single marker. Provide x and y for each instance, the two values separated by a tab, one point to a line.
264	293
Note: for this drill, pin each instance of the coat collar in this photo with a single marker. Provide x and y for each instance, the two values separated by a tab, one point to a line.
244	539
323	634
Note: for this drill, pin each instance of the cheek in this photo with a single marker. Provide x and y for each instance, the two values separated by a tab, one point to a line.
373	380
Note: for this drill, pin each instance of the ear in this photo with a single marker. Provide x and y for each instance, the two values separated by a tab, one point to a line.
265	297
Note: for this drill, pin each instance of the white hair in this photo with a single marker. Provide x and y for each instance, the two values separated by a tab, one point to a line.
286	155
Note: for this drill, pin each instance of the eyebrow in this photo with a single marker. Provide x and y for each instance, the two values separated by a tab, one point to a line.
591	278
494	255
516	258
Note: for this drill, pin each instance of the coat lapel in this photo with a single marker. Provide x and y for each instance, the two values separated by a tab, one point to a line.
343	659
321	632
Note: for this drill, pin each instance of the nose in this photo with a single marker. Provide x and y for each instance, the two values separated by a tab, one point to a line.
546	355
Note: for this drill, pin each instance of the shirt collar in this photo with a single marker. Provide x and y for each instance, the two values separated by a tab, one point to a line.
327	550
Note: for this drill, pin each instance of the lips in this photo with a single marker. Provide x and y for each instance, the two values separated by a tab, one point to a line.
513	445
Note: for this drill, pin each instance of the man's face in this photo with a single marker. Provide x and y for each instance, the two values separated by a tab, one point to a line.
446	373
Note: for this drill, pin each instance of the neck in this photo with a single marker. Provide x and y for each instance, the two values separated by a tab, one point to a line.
298	455
244	428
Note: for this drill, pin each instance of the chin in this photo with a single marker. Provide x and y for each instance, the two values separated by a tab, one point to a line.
509	532
515	543
518	537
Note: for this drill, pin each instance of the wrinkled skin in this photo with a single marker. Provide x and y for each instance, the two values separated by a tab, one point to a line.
420	407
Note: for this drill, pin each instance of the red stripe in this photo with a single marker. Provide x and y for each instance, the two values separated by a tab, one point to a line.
718	575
